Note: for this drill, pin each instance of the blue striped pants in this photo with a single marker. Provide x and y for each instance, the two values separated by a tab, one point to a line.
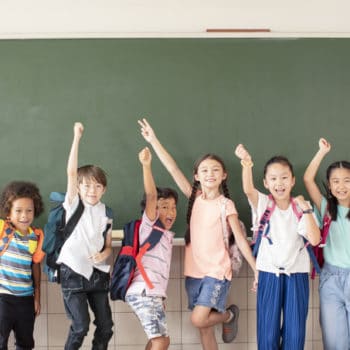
282	307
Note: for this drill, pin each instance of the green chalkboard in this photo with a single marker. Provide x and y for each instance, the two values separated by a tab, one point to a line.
277	96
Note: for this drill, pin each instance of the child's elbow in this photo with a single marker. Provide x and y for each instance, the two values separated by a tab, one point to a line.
307	179
315	239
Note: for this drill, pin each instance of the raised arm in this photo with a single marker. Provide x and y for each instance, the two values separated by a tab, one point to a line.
72	166
311	171
145	158
166	159
247	175
312	229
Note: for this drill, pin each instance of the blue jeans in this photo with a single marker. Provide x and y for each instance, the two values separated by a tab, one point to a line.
207	291
334	292
80	293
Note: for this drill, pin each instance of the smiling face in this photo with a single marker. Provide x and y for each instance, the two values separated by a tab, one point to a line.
22	214
210	174
339	185
279	180
167	211
91	191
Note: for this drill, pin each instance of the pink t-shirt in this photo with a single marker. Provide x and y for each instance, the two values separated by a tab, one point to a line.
156	262
206	255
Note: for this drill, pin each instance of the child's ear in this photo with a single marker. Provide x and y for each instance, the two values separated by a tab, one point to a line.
293	181
265	184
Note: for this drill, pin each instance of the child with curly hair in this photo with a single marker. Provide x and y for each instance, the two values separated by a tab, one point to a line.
20	257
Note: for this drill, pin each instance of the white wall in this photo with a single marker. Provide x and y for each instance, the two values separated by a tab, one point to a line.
156	18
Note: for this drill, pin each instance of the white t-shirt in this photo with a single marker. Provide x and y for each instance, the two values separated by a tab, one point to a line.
287	253
86	239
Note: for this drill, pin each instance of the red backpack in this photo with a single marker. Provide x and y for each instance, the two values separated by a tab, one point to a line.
318	250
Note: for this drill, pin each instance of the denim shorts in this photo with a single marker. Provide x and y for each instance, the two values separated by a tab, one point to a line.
207	291
150	311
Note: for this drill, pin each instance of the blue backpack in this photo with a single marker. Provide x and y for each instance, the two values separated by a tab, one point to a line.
130	256
57	232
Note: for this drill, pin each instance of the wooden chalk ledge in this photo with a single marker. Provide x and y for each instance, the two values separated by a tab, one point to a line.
238	30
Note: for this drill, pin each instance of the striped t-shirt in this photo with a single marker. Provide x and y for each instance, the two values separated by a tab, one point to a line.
16	261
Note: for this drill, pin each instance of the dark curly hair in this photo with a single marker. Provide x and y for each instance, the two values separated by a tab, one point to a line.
20	189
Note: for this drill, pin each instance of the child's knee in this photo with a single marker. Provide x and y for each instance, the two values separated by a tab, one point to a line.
160	343
197	320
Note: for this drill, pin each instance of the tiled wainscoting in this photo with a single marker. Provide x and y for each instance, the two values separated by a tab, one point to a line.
52	325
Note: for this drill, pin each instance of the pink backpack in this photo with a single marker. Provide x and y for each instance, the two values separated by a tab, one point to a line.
233	250
264	229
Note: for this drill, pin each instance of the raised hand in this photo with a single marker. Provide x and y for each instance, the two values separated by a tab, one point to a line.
302	203
242	153
145	156
324	145
146	130
78	129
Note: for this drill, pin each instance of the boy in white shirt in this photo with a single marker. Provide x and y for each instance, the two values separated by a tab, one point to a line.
84	272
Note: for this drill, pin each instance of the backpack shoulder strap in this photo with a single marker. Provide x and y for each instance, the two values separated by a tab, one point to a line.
109	214
73	220
39	254
326	223
151	241
297	211
154	237
264	221
7	233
